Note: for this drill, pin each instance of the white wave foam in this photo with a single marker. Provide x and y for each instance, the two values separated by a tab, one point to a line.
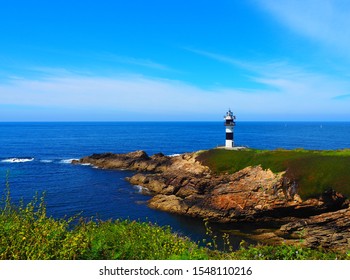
17	160
141	189
46	160
68	160
86	164
174	155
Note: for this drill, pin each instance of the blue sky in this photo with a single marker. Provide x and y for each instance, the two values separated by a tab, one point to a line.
174	60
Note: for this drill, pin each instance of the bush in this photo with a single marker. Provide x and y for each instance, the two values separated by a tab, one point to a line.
285	252
27	233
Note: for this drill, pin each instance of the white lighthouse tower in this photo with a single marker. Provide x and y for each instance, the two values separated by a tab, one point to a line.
229	124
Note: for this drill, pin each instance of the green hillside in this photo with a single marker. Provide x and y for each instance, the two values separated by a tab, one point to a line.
314	171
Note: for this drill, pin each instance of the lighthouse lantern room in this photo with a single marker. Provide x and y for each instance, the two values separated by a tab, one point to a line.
229	124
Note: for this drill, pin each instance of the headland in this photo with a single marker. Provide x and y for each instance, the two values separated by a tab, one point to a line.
302	195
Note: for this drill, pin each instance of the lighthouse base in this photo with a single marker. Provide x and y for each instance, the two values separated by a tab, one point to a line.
236	148
229	143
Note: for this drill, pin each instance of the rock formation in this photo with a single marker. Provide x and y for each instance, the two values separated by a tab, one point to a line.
184	186
327	230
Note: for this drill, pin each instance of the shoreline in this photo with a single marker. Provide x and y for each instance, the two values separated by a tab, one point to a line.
181	184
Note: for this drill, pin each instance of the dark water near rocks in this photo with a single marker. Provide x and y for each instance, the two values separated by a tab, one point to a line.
37	157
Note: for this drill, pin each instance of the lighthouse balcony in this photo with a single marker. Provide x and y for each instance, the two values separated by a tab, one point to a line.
229	123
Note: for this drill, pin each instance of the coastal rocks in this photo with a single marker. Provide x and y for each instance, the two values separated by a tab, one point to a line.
327	230
250	194
169	203
138	160
182	185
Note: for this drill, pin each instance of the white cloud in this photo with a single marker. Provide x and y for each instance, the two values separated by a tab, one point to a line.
284	92
282	87
148	63
130	92
141	62
218	57
326	21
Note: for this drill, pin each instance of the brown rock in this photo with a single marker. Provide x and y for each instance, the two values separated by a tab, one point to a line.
328	230
138	160
182	185
186	191
169	203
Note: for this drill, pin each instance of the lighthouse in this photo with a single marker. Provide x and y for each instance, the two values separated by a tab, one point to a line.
229	124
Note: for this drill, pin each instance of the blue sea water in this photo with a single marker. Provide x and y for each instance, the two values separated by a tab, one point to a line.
37	158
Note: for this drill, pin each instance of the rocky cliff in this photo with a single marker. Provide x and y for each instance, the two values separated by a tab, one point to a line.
184	186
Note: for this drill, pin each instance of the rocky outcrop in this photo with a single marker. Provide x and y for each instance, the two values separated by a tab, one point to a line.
138	160
327	230
182	185
251	194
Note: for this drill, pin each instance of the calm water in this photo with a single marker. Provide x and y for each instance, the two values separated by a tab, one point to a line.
37	157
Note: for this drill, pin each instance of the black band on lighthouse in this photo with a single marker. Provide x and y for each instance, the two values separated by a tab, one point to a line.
229	136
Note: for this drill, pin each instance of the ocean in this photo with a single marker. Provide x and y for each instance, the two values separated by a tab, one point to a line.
36	157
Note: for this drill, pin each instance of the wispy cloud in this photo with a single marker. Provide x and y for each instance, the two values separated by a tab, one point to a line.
342	97
282	96
267	68
122	92
326	21
148	63
218	57
293	83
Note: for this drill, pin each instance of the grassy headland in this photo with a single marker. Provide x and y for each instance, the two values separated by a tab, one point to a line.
314	171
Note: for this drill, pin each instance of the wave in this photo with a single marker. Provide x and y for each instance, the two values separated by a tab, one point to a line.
174	155
17	160
141	189
46	160
68	160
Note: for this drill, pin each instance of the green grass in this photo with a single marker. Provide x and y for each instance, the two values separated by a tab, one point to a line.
286	252
27	233
315	171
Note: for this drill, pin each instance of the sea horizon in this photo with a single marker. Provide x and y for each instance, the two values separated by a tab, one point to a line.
181	121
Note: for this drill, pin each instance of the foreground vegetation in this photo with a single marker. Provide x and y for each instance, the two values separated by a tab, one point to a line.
315	171
26	232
